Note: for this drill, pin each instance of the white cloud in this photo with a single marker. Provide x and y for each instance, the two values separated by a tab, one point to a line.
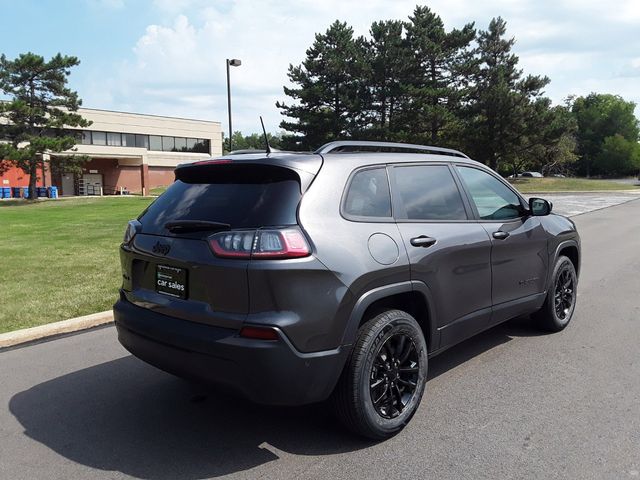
177	65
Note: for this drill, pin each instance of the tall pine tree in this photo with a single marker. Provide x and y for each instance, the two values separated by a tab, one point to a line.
39	110
328	97
506	112
388	60
441	62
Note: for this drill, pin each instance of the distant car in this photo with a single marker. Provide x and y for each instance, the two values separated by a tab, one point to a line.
558	175
531	175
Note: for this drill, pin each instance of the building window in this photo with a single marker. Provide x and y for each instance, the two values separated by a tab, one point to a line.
168	144
114	139
150	142
201	146
86	137
155	143
181	144
128	140
142	141
99	138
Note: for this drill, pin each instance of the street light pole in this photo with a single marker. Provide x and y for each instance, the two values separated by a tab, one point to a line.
234	62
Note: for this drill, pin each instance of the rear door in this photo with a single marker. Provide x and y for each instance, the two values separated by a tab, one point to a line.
519	256
448	250
174	270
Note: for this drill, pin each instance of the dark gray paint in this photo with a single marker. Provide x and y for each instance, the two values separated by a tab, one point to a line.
468	279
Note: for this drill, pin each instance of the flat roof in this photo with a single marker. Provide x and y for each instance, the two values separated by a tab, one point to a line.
148	115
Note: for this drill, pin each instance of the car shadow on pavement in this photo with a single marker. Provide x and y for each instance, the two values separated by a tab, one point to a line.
126	416
474	346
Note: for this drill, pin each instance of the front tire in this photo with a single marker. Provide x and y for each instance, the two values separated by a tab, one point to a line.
558	307
384	379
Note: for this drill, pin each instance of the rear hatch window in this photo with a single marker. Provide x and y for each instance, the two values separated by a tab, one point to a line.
242	196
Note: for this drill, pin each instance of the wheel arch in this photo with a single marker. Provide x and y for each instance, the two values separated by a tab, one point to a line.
571	250
413	297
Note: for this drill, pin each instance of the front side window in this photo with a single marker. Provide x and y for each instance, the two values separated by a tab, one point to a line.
368	194
493	199
427	192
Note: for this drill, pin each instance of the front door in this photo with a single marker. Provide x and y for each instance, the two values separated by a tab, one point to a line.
519	258
448	250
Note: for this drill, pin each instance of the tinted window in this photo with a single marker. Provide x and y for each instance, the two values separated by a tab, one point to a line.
86	137
428	192
142	141
181	144
368	194
128	140
168	144
99	138
155	143
493	199
240	195
114	139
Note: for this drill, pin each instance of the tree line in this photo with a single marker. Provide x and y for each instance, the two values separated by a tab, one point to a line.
415	81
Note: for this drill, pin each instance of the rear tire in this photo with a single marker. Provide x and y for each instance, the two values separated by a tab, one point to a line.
558	307
385	376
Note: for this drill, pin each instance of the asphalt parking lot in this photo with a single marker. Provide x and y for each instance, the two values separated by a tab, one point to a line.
571	204
509	403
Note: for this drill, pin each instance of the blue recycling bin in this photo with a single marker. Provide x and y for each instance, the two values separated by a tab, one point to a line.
6	192
52	192
25	192
16	192
41	191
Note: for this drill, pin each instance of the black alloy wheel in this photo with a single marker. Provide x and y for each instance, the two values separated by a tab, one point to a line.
385	376
564	293
561	299
394	375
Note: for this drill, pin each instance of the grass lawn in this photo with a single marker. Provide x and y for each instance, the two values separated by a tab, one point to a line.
59	258
526	185
157	190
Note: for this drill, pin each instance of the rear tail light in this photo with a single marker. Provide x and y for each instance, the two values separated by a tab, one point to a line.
259	333
133	227
265	244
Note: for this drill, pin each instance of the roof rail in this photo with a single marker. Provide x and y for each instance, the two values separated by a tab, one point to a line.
347	146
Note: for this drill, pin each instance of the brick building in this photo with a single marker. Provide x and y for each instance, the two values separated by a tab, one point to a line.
129	151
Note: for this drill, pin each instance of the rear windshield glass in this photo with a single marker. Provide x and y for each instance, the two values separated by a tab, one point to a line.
244	196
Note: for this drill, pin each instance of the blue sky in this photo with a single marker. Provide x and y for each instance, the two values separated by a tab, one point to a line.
167	57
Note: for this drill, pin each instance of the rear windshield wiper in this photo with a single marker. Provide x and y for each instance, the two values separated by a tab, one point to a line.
195	226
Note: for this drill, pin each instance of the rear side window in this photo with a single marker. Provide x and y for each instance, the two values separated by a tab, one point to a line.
368	194
244	196
427	192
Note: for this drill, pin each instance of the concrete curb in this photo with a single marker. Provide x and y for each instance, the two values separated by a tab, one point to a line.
26	335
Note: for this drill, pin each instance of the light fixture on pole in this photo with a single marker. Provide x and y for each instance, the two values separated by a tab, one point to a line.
234	62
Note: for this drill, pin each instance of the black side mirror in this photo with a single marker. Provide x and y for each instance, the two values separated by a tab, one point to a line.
539	207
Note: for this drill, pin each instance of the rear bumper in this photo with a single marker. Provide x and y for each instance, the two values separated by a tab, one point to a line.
267	372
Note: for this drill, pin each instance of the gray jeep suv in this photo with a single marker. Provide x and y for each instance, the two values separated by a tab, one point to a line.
292	278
